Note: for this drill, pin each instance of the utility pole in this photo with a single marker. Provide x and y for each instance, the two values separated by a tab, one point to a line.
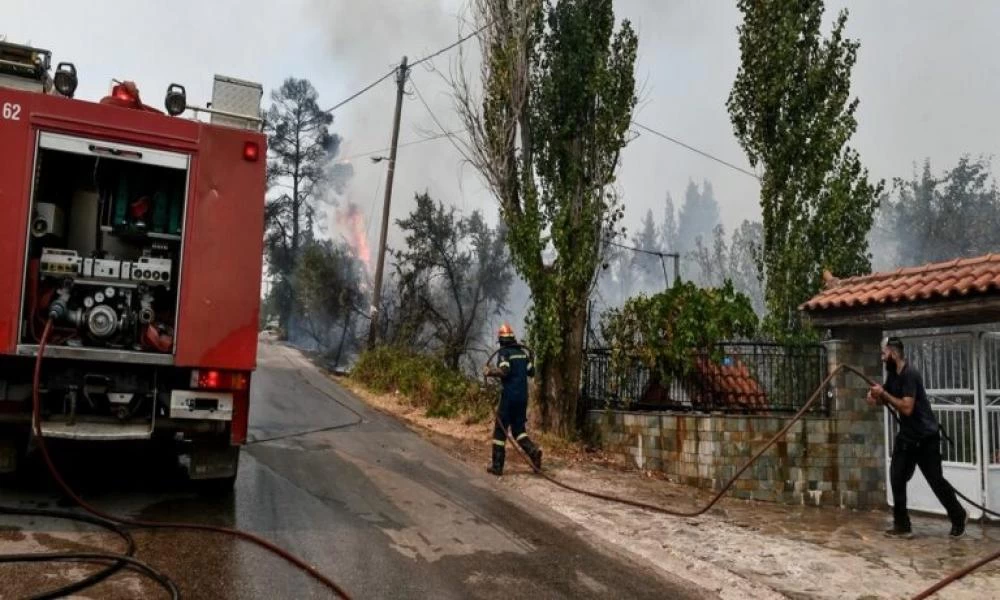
677	266
380	266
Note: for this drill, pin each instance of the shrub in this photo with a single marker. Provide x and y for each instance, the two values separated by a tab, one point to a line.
426	382
665	331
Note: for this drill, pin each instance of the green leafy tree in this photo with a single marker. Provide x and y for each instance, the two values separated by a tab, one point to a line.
558	91
932	219
667	331
455	272
301	149
791	110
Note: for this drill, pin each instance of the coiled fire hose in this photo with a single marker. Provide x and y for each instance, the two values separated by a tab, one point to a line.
725	488
143	524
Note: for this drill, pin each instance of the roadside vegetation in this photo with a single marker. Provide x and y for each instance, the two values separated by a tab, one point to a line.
425	382
552	255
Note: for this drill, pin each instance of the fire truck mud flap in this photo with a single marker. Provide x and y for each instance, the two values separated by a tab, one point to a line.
213	460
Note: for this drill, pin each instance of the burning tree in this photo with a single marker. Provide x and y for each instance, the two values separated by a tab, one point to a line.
546	133
327	283
300	154
353	220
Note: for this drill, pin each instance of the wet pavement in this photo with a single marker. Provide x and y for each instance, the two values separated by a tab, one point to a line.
745	549
369	503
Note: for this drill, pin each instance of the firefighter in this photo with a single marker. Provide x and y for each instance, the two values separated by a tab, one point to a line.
513	368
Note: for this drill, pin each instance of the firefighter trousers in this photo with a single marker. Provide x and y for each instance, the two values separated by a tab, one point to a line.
513	415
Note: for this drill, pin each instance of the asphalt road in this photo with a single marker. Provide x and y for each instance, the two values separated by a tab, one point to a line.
371	504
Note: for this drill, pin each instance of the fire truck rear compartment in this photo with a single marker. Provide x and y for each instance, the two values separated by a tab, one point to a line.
92	400
104	242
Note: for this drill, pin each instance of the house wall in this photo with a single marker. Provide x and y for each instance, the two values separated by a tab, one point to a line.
833	461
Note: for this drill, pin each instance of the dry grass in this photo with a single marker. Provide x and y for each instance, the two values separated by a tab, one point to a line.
469	439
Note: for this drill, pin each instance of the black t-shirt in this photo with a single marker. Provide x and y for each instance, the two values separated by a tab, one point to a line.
921	422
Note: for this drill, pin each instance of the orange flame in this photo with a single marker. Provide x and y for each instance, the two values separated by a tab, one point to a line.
352	218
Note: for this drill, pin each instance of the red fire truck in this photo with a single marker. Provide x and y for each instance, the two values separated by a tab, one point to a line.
138	233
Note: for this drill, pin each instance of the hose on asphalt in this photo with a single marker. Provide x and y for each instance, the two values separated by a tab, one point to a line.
955	576
86	582
144	524
98	557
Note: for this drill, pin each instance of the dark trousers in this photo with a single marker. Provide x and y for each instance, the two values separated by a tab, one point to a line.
906	457
513	414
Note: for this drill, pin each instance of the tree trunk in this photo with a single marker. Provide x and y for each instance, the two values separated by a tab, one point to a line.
343	337
284	307
560	380
289	319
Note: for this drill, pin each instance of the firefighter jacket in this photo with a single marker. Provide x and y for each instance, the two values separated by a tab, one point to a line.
515	363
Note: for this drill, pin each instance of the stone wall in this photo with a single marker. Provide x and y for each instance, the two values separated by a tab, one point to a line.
837	460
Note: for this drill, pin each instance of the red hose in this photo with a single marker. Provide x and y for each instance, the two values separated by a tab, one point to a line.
951	578
725	488
37	425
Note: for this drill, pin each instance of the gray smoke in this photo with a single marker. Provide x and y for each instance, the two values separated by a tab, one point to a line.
366	40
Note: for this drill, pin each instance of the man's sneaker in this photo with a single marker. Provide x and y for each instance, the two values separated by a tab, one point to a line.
958	529
899	532
494	471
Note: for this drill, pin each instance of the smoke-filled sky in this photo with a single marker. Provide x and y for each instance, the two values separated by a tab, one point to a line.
927	77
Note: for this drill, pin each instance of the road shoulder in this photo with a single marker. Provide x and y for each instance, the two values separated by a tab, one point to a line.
740	549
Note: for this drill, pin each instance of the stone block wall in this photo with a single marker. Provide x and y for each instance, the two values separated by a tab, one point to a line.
837	460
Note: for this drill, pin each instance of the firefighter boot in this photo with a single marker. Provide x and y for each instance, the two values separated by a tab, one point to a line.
498	456
533	451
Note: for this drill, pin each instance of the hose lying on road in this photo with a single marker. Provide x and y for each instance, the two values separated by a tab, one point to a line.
86	582
725	488
718	496
259	541
98	557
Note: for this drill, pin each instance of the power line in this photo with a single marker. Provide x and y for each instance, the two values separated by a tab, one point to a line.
444	131
643	250
392	72
695	150
403	145
455	44
362	90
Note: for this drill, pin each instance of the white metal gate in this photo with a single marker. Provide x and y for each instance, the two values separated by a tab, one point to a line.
989	384
954	367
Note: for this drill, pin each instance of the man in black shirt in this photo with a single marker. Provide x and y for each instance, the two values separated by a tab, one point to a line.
918	443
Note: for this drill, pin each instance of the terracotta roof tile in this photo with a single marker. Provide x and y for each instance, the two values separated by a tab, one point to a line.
953	278
724	384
